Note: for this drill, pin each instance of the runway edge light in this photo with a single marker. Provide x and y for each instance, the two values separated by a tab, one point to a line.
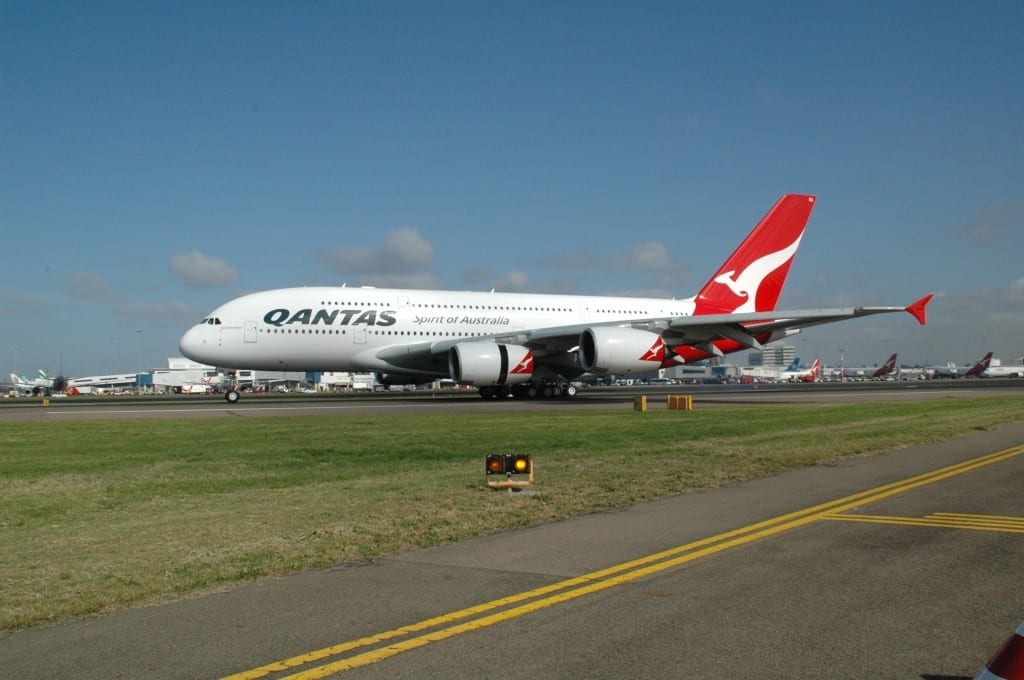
508	469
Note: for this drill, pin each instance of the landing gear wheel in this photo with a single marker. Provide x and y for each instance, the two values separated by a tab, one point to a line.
570	391
232	396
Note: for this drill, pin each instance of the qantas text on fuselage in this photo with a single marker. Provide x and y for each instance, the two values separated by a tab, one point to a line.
280	318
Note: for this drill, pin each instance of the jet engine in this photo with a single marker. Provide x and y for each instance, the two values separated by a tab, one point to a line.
608	349
487	363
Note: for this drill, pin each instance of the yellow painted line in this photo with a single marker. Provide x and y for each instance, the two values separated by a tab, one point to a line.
995	520
598	580
933	521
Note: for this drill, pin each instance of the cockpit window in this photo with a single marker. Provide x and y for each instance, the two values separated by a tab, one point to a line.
211	321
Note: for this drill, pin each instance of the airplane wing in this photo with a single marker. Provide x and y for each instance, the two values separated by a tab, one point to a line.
743	328
701	331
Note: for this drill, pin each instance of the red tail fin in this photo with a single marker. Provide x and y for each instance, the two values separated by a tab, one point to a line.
981	366
751	279
812	376
887	367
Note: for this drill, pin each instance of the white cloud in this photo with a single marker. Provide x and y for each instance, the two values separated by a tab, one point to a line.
487	279
992	225
649	255
18	305
575	259
414	280
169	314
1017	290
403	259
87	286
202	271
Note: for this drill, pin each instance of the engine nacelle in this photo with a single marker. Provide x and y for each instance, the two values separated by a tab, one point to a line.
487	363
609	349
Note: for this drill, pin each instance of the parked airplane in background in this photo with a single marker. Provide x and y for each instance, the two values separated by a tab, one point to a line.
977	369
41	385
1004	371
813	375
794	372
517	343
882	371
985	369
947	370
20	386
102	383
887	368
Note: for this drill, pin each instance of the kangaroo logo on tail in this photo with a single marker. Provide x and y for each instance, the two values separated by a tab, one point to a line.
888	367
746	285
751	279
980	367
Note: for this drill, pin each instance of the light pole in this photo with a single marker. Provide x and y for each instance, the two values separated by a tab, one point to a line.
138	348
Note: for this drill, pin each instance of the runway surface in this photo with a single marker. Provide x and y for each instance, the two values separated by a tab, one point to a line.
902	565
195	406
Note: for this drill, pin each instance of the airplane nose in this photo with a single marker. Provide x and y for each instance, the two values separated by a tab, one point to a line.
193	343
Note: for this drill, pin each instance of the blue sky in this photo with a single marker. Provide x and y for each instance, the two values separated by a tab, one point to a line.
160	159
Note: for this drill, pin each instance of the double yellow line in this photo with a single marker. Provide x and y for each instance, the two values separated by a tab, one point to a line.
496	611
947	520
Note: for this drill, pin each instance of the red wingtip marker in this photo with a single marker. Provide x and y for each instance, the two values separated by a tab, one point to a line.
917	309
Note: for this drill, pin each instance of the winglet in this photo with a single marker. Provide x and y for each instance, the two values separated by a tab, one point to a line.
917	309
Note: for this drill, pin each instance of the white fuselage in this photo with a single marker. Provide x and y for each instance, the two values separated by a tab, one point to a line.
344	329
1003	371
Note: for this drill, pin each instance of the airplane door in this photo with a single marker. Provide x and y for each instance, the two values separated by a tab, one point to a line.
359	336
250	331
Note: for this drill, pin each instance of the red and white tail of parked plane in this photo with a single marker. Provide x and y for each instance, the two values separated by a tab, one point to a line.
980	367
985	369
794	373
519	343
812	373
885	369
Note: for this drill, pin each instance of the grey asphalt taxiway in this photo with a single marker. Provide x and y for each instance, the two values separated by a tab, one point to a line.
445	401
906	564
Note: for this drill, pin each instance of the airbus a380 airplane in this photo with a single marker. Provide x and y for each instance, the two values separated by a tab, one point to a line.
521	344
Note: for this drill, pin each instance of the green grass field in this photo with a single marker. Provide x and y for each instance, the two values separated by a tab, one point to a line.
97	516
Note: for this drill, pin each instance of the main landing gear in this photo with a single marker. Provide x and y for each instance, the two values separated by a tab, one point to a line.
552	390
